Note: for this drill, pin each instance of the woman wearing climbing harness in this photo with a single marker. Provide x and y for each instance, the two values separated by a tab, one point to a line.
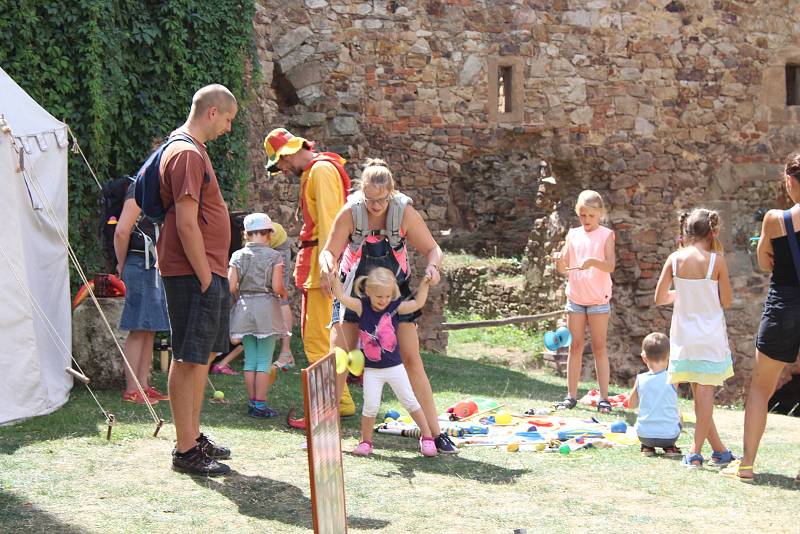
370	231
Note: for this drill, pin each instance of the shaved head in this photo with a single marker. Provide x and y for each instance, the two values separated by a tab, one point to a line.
214	95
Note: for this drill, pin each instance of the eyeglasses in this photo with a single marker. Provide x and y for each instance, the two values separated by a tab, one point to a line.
376	201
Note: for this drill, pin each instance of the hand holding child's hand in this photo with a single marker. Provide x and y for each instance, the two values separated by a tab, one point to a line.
432	273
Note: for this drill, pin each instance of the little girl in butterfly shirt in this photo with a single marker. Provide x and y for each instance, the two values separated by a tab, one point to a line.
377	308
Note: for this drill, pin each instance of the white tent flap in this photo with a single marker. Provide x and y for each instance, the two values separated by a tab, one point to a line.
35	319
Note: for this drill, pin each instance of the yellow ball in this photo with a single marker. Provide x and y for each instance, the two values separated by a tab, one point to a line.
219	394
503	418
405	419
513	447
389	420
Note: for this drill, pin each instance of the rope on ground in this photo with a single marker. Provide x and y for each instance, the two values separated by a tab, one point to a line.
500	322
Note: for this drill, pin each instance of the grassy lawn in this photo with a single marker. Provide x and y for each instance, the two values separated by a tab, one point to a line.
59	474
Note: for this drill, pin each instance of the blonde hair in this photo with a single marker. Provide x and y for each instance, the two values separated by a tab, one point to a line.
700	224
377	277
377	174
590	199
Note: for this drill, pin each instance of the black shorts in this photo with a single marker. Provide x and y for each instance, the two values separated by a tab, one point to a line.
779	332
199	321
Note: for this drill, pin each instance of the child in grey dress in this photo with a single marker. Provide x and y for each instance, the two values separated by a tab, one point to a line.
255	274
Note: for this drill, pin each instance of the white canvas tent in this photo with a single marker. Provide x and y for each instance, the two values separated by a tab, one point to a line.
35	317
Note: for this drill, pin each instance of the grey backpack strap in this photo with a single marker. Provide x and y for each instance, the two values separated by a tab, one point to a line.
394	218
358	210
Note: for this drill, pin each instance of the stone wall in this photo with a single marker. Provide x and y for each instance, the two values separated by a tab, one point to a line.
660	106
488	289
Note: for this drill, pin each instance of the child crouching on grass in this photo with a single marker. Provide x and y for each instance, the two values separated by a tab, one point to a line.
377	309
659	421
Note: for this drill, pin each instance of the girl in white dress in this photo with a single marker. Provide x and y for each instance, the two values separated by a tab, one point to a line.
699	350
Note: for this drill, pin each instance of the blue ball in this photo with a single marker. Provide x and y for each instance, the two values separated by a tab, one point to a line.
619	427
532	428
394	414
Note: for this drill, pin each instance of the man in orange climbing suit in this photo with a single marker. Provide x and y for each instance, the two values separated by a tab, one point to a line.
324	185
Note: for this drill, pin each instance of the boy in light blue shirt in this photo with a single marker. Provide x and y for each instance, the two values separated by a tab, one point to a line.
659	421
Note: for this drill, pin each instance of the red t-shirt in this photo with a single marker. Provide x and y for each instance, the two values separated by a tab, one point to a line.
183	167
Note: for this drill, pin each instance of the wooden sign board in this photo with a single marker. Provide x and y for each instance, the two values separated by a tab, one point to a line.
324	447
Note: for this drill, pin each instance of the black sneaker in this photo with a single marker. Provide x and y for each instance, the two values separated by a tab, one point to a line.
445	445
217	452
196	462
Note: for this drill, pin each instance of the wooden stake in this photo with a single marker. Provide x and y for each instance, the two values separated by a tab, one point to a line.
111	421
76	374
158	427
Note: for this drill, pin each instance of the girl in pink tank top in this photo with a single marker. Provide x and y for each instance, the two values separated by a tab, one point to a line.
588	260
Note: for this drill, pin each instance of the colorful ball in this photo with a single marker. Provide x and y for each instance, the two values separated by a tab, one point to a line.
219	394
465	409
392	414
619	427
503	418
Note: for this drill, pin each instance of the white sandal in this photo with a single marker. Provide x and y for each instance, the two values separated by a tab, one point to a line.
285	361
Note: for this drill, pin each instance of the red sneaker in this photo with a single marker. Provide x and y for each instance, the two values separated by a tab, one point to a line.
135	398
154	395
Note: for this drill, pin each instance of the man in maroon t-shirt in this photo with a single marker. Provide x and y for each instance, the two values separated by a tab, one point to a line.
193	259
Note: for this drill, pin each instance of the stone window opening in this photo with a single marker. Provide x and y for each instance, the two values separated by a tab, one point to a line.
505	100
505	103
792	84
285	93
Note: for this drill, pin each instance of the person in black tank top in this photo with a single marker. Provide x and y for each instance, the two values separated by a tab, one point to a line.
778	337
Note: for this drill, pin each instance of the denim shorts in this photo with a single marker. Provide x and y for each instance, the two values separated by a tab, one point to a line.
145	301
571	307
200	321
778	334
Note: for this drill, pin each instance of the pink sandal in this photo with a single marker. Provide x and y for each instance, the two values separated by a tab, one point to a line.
363	449
223	370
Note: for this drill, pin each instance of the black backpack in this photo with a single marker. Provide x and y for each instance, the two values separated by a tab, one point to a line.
112	199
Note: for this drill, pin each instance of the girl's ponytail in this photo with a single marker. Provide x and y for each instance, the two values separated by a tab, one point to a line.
714	224
682	231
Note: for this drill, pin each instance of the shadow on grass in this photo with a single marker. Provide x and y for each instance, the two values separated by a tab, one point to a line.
80	417
17	515
470	377
264	498
462	468
776	481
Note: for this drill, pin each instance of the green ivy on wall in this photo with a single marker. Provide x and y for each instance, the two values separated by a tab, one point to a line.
122	74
